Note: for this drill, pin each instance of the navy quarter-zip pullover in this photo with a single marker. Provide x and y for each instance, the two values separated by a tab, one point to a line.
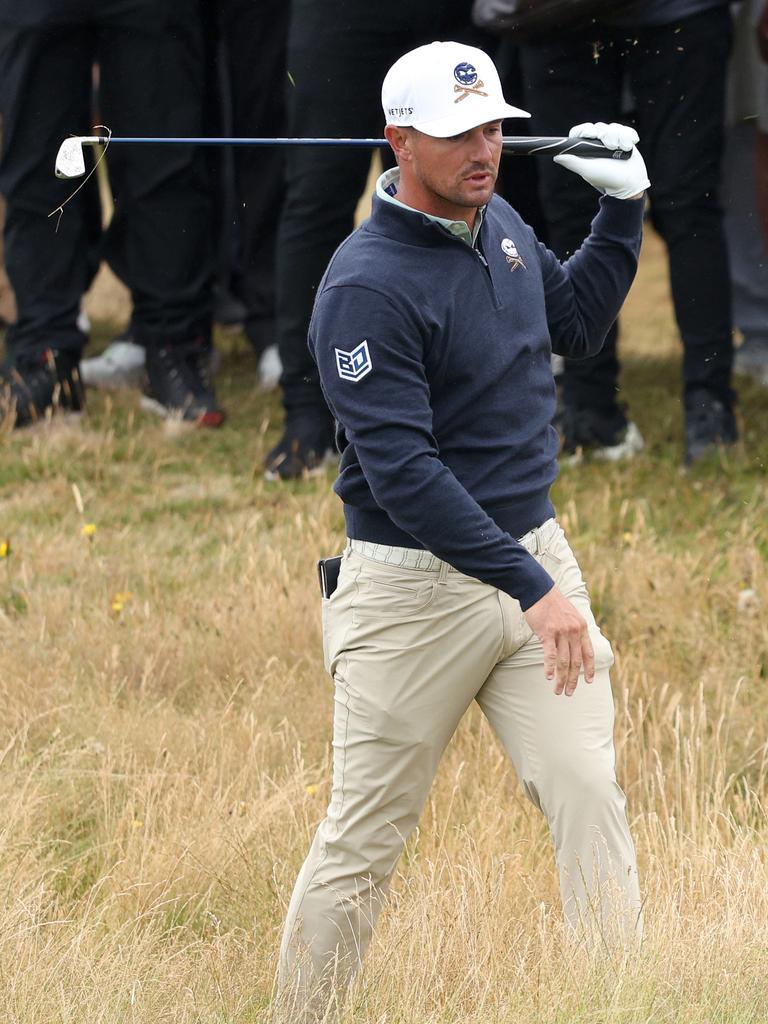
434	357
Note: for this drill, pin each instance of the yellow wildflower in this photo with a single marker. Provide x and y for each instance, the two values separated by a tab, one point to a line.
312	789
119	601
88	530
5	548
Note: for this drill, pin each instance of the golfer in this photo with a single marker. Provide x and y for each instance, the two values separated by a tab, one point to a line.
433	330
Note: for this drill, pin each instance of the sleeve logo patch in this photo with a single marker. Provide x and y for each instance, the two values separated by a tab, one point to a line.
356	364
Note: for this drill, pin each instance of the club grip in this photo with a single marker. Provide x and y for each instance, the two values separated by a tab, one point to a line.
540	145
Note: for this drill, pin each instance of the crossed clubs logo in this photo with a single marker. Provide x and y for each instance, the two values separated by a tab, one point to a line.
468	85
513	257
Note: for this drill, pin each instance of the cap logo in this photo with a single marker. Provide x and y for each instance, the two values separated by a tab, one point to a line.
465	74
468	85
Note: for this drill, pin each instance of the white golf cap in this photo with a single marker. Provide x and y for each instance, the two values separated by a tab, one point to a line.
443	89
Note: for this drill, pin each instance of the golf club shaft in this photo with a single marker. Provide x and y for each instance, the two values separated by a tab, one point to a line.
523	145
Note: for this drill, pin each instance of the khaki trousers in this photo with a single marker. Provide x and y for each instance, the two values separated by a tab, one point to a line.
410	643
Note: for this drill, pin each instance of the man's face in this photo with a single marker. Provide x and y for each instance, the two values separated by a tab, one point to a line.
449	177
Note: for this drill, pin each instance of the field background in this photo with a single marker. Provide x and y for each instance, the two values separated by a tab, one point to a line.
164	727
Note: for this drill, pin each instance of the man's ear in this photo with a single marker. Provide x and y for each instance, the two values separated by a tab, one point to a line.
399	138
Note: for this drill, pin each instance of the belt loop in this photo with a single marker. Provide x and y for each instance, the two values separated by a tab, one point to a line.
539	542
443	575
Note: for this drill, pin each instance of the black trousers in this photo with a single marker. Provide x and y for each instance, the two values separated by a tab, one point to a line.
253	37
676	78
338	54
151	80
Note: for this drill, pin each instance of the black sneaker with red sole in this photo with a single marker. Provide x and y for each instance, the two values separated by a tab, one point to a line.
178	384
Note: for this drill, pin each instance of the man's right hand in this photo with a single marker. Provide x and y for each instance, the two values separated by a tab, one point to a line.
564	636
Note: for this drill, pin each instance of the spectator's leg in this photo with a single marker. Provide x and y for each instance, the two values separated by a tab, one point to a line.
45	92
747	251
568	81
153	84
678	78
220	167
334	90
255	39
761	177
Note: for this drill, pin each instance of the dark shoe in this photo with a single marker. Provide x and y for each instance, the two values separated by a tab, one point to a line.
228	310
708	422
178	384
306	446
202	360
35	386
604	434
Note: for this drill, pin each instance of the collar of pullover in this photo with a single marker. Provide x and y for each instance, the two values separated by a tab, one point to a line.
386	189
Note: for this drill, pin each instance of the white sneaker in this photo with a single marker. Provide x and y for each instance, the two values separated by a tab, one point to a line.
120	365
629	446
270	369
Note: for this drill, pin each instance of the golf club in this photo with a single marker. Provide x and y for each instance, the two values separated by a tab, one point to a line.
70	160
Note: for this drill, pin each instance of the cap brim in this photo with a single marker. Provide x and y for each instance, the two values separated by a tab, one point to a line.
463	120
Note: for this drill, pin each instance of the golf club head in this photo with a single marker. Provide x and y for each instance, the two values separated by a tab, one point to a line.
70	162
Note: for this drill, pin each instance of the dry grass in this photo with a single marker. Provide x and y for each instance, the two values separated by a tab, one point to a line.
164	732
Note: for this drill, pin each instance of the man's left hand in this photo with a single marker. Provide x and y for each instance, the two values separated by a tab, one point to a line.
564	637
622	179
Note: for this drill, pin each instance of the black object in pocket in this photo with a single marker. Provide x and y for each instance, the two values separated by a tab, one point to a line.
328	571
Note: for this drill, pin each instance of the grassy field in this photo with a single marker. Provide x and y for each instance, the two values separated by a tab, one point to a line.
164	730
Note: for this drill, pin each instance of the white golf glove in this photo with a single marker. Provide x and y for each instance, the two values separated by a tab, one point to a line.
621	179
